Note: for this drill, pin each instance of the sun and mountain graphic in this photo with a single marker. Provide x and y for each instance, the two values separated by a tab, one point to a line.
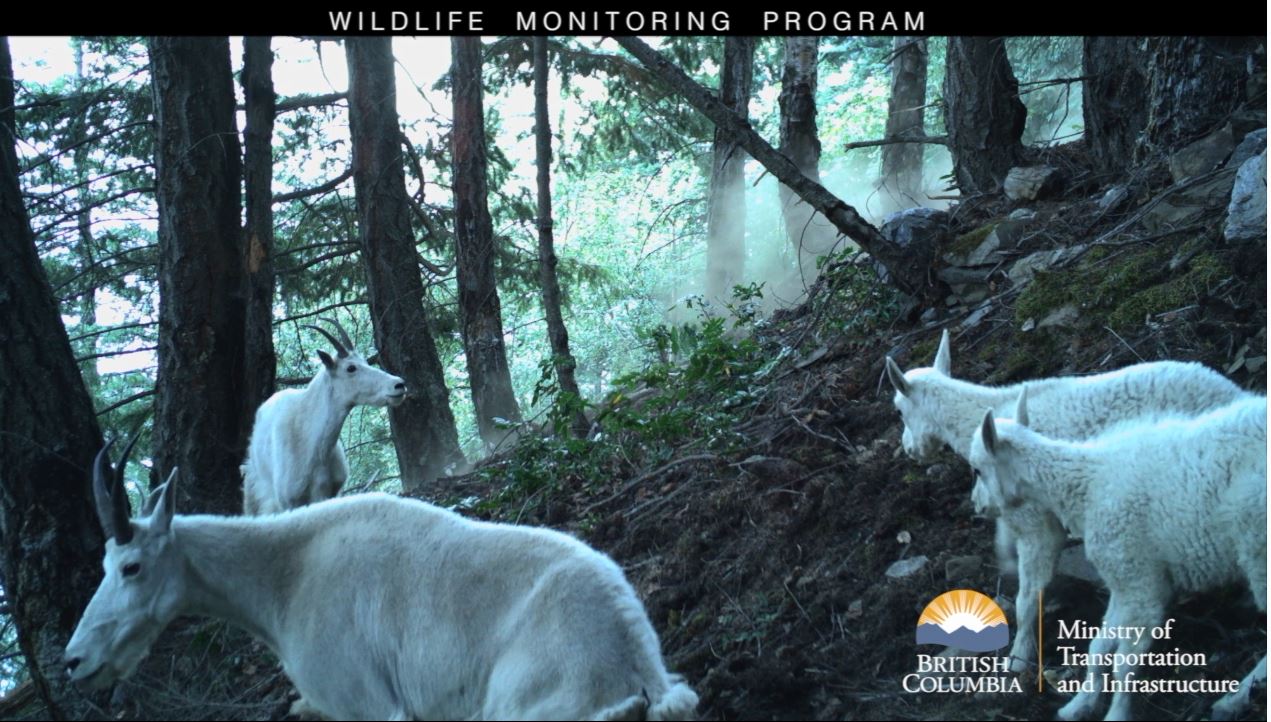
965	619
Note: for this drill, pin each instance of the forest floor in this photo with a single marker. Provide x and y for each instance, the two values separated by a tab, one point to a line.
755	492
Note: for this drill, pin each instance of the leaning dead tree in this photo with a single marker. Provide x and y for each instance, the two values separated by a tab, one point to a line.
908	272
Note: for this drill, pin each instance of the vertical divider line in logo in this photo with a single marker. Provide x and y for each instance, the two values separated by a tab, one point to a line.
1041	611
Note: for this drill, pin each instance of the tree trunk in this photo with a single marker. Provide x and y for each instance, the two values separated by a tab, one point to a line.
200	422
810	234
983	113
423	426
726	207
908	272
902	162
52	543
258	174
1196	83
482	320
1114	99
557	334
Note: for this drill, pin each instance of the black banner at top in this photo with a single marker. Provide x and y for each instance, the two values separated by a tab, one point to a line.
1070	18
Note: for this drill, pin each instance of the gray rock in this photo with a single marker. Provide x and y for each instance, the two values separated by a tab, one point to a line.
955	275
906	567
1023	214
920	231
1114	199
1025	268
1182	207
959	568
1203	155
976	316
1253	144
1066	315
1028	183
1005	236
969	293
1247	211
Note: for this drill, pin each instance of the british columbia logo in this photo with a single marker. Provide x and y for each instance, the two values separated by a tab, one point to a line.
968	624
964	619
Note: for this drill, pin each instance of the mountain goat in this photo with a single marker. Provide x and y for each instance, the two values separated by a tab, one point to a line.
384	608
1165	505
294	456
937	408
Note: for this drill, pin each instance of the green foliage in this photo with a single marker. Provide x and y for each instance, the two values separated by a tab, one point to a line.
859	301
697	384
13	669
1054	109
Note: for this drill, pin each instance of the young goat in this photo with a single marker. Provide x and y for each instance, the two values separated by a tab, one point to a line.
1173	504
384	608
937	408
295	457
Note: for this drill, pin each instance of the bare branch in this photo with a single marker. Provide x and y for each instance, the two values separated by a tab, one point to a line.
320	311
316	190
931	139
299	102
120	352
125	401
102	331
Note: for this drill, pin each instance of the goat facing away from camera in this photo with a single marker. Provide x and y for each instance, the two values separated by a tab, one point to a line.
937	409
381	607
294	456
1165	505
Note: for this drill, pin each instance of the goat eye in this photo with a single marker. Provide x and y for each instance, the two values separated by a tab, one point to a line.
131	569
351	368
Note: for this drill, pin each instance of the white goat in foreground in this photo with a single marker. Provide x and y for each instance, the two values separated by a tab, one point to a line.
936	408
295	457
1166	505
384	608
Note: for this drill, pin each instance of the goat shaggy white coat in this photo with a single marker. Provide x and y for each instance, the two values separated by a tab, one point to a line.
937	408
294	456
1174	504
387	608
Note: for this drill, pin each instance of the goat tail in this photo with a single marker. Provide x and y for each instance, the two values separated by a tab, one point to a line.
677	703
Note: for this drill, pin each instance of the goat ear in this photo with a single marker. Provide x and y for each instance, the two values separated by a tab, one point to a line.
165	506
373	360
897	378
152	501
1021	407
942	354
989	431
327	360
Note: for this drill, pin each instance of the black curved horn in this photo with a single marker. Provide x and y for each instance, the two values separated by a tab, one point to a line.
103	477
119	496
109	494
344	335
340	350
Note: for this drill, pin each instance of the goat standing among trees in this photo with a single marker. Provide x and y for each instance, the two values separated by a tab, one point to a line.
295	457
384	608
1165	505
935	407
